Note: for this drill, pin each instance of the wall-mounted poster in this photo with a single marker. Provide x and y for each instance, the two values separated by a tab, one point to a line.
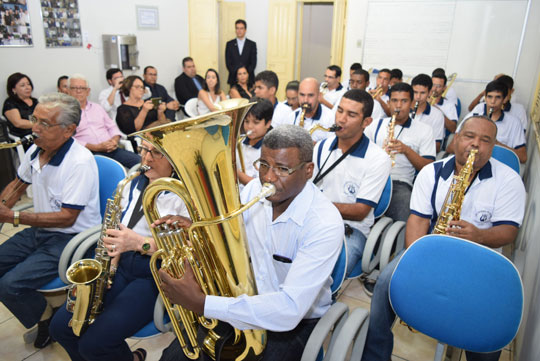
14	23
61	23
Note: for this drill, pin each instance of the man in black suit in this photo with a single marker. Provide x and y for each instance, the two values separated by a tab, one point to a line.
240	52
187	84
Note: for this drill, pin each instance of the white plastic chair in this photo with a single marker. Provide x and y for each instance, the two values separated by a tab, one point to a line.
191	107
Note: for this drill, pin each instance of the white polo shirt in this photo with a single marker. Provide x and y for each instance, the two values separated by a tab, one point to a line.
451	95
167	203
448	109
358	178
332	96
496	196
322	116
281	114
514	109
69	180
509	129
435	119
414	134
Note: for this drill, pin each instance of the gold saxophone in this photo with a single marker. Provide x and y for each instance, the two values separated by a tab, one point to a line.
323	89
90	277
451	209
390	136
303	115
377	92
26	140
451	79
201	151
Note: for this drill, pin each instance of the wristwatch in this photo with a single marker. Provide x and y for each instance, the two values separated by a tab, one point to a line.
16	219
145	246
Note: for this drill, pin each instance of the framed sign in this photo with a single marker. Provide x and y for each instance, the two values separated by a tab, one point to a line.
61	23
15	23
147	17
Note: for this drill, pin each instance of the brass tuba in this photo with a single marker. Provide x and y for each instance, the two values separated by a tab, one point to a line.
202	152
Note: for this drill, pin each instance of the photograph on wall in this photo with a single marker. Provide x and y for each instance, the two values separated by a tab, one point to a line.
61	23
14	23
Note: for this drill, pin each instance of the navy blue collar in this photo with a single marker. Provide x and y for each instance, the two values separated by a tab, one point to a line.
339	87
448	169
441	102
427	110
287	104
507	107
318	113
486	113
256	145
60	153
359	152
407	124
275	104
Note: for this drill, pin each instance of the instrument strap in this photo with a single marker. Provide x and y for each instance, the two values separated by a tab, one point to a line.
138	211
320	176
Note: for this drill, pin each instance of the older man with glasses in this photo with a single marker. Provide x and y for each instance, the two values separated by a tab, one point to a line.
96	131
64	176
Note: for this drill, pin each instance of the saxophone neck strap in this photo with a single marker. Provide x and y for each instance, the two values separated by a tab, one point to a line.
320	176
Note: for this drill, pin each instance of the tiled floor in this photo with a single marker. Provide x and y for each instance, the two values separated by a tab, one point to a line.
408	345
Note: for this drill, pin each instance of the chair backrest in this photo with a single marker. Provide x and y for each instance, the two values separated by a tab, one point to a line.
384	201
110	173
191	107
506	156
458	292
458	107
338	274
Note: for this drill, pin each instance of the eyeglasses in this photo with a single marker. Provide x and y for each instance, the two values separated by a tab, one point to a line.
280	171
138	86
78	88
41	123
156	154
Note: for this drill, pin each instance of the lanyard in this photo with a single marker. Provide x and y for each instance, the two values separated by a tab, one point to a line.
320	176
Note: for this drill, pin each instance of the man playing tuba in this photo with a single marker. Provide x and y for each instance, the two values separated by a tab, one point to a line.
294	239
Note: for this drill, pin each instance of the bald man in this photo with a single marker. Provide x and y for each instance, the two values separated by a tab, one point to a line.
316	113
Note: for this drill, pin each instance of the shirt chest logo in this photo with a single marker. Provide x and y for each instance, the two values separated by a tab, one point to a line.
483	216
350	189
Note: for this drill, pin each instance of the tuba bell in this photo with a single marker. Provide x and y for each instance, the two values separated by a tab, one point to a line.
202	152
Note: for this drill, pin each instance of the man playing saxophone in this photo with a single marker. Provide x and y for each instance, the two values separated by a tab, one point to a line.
294	238
129	303
64	180
412	146
491	213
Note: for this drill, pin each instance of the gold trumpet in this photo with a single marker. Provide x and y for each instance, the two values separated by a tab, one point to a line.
201	151
377	92
332	128
24	141
303	115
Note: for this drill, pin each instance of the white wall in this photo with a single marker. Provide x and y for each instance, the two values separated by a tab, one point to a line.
163	48
356	30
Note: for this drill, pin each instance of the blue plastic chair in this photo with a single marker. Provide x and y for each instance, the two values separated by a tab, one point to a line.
506	156
338	274
458	107
459	292
371	256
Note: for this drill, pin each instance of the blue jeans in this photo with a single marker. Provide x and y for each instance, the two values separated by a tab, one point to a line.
356	243
29	260
380	340
399	208
128	307
281	346
125	157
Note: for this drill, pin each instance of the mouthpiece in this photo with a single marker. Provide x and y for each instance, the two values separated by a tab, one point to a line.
249	132
143	169
334	128
267	190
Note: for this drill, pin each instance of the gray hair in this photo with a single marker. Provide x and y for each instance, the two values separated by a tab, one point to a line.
290	136
78	77
70	109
